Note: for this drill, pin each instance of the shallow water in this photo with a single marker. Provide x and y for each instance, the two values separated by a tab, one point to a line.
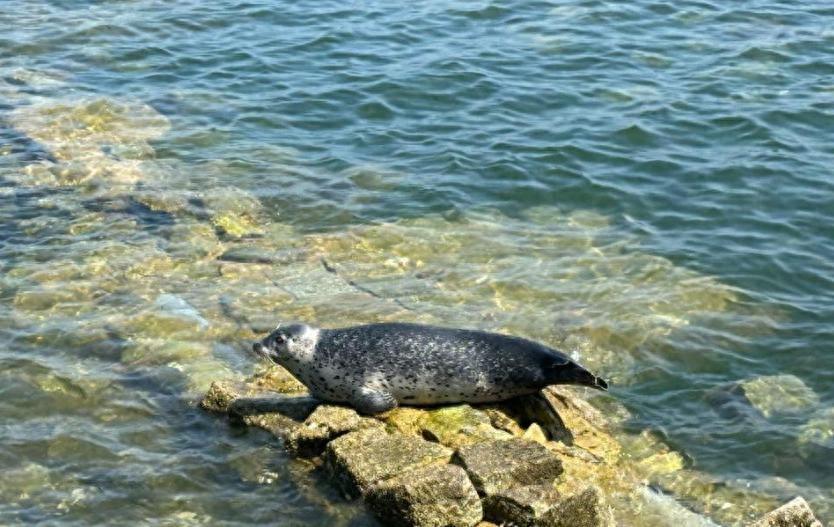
646	185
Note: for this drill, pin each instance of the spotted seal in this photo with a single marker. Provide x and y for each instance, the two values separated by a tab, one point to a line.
376	367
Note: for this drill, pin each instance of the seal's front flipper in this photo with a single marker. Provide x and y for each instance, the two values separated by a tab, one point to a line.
372	401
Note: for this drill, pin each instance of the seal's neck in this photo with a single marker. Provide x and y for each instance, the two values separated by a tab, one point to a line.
303	347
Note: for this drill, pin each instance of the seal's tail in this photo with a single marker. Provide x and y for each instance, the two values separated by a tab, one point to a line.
572	373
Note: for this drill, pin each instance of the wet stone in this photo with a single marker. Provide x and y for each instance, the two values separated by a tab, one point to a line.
455	426
359	460
795	513
327	422
586	508
522	505
432	496
497	465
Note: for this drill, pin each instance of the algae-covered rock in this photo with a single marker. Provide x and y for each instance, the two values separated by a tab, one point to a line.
254	406
543	505
431	496
359	460
795	513
586	508
497	465
778	394
816	437
278	379
452	426
522	505
327	422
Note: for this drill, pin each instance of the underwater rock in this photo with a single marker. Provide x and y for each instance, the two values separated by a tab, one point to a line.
497	465
779	394
795	513
817	435
431	496
359	460
234	225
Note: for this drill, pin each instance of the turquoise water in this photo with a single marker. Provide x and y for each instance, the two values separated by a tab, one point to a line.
646	184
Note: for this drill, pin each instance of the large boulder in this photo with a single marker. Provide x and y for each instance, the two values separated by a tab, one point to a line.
431	496
795	513
359	460
497	465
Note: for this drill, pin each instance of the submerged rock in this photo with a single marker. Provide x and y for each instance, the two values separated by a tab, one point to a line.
431	496
778	394
795	513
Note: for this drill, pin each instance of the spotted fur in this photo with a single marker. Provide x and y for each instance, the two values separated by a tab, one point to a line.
377	366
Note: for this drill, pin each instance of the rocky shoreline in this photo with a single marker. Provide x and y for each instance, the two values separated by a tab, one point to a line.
546	460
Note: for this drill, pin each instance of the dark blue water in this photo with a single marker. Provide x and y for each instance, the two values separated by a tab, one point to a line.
648	184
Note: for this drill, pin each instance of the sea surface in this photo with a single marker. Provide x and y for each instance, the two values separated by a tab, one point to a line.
647	185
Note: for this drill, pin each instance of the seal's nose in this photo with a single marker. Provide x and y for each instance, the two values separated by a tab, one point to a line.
258	348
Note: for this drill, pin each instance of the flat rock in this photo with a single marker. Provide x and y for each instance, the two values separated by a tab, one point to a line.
455	426
277	413
431	496
326	423
795	513
359	460
497	465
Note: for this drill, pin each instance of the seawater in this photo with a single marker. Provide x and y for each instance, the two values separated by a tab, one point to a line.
646	185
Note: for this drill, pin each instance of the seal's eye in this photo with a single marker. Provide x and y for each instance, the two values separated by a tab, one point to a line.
280	339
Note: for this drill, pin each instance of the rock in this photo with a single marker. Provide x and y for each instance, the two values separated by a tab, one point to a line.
500	419
324	424
795	513
542	505
236	225
220	396
778	394
278	379
497	465
452	426
277	414
455	426
817	435
523	505
586	508
432	496
535	433
359	460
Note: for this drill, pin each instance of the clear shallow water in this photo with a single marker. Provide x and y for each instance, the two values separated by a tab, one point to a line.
647	185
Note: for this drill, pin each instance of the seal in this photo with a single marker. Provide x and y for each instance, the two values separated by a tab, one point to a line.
376	367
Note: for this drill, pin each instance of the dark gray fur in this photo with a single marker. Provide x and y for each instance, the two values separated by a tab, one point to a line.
378	366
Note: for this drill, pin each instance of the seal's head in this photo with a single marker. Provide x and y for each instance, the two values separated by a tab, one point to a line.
293	343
